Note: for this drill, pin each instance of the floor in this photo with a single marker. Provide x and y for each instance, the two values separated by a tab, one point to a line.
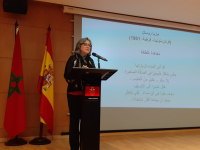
185	139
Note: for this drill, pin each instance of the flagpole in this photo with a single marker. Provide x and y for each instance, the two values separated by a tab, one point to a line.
16	141
41	129
41	140
16	26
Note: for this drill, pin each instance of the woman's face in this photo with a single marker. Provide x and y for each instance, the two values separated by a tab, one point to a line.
85	48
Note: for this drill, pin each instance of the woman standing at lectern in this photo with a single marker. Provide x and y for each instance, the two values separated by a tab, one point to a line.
80	58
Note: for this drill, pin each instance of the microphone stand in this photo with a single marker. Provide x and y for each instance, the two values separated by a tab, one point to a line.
98	63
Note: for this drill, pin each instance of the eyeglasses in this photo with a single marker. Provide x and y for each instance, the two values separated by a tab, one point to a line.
85	44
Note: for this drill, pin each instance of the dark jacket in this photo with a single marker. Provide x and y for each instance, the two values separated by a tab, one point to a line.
76	61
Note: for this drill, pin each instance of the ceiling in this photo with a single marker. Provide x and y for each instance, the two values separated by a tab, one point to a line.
183	11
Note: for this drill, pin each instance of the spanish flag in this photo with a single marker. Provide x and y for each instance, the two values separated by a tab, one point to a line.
46	86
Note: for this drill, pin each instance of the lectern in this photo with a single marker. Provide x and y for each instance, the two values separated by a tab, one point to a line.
90	120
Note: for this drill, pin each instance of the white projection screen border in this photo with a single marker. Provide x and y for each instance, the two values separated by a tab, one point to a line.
135	116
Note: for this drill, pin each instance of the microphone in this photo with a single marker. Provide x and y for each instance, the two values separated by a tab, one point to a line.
96	55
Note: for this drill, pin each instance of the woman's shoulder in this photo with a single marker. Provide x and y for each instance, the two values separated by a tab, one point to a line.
90	58
72	57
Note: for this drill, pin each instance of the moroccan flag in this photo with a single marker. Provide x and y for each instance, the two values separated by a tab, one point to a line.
15	115
45	87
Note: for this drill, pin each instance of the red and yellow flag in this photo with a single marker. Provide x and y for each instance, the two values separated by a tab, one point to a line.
15	115
46	86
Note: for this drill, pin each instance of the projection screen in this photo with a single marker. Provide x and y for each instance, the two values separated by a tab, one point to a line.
157	84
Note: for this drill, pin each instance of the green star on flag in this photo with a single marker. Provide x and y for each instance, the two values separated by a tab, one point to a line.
14	84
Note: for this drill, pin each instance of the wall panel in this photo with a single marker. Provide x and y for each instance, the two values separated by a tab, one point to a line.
33	27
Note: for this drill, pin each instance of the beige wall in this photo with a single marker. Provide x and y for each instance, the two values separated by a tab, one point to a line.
33	28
